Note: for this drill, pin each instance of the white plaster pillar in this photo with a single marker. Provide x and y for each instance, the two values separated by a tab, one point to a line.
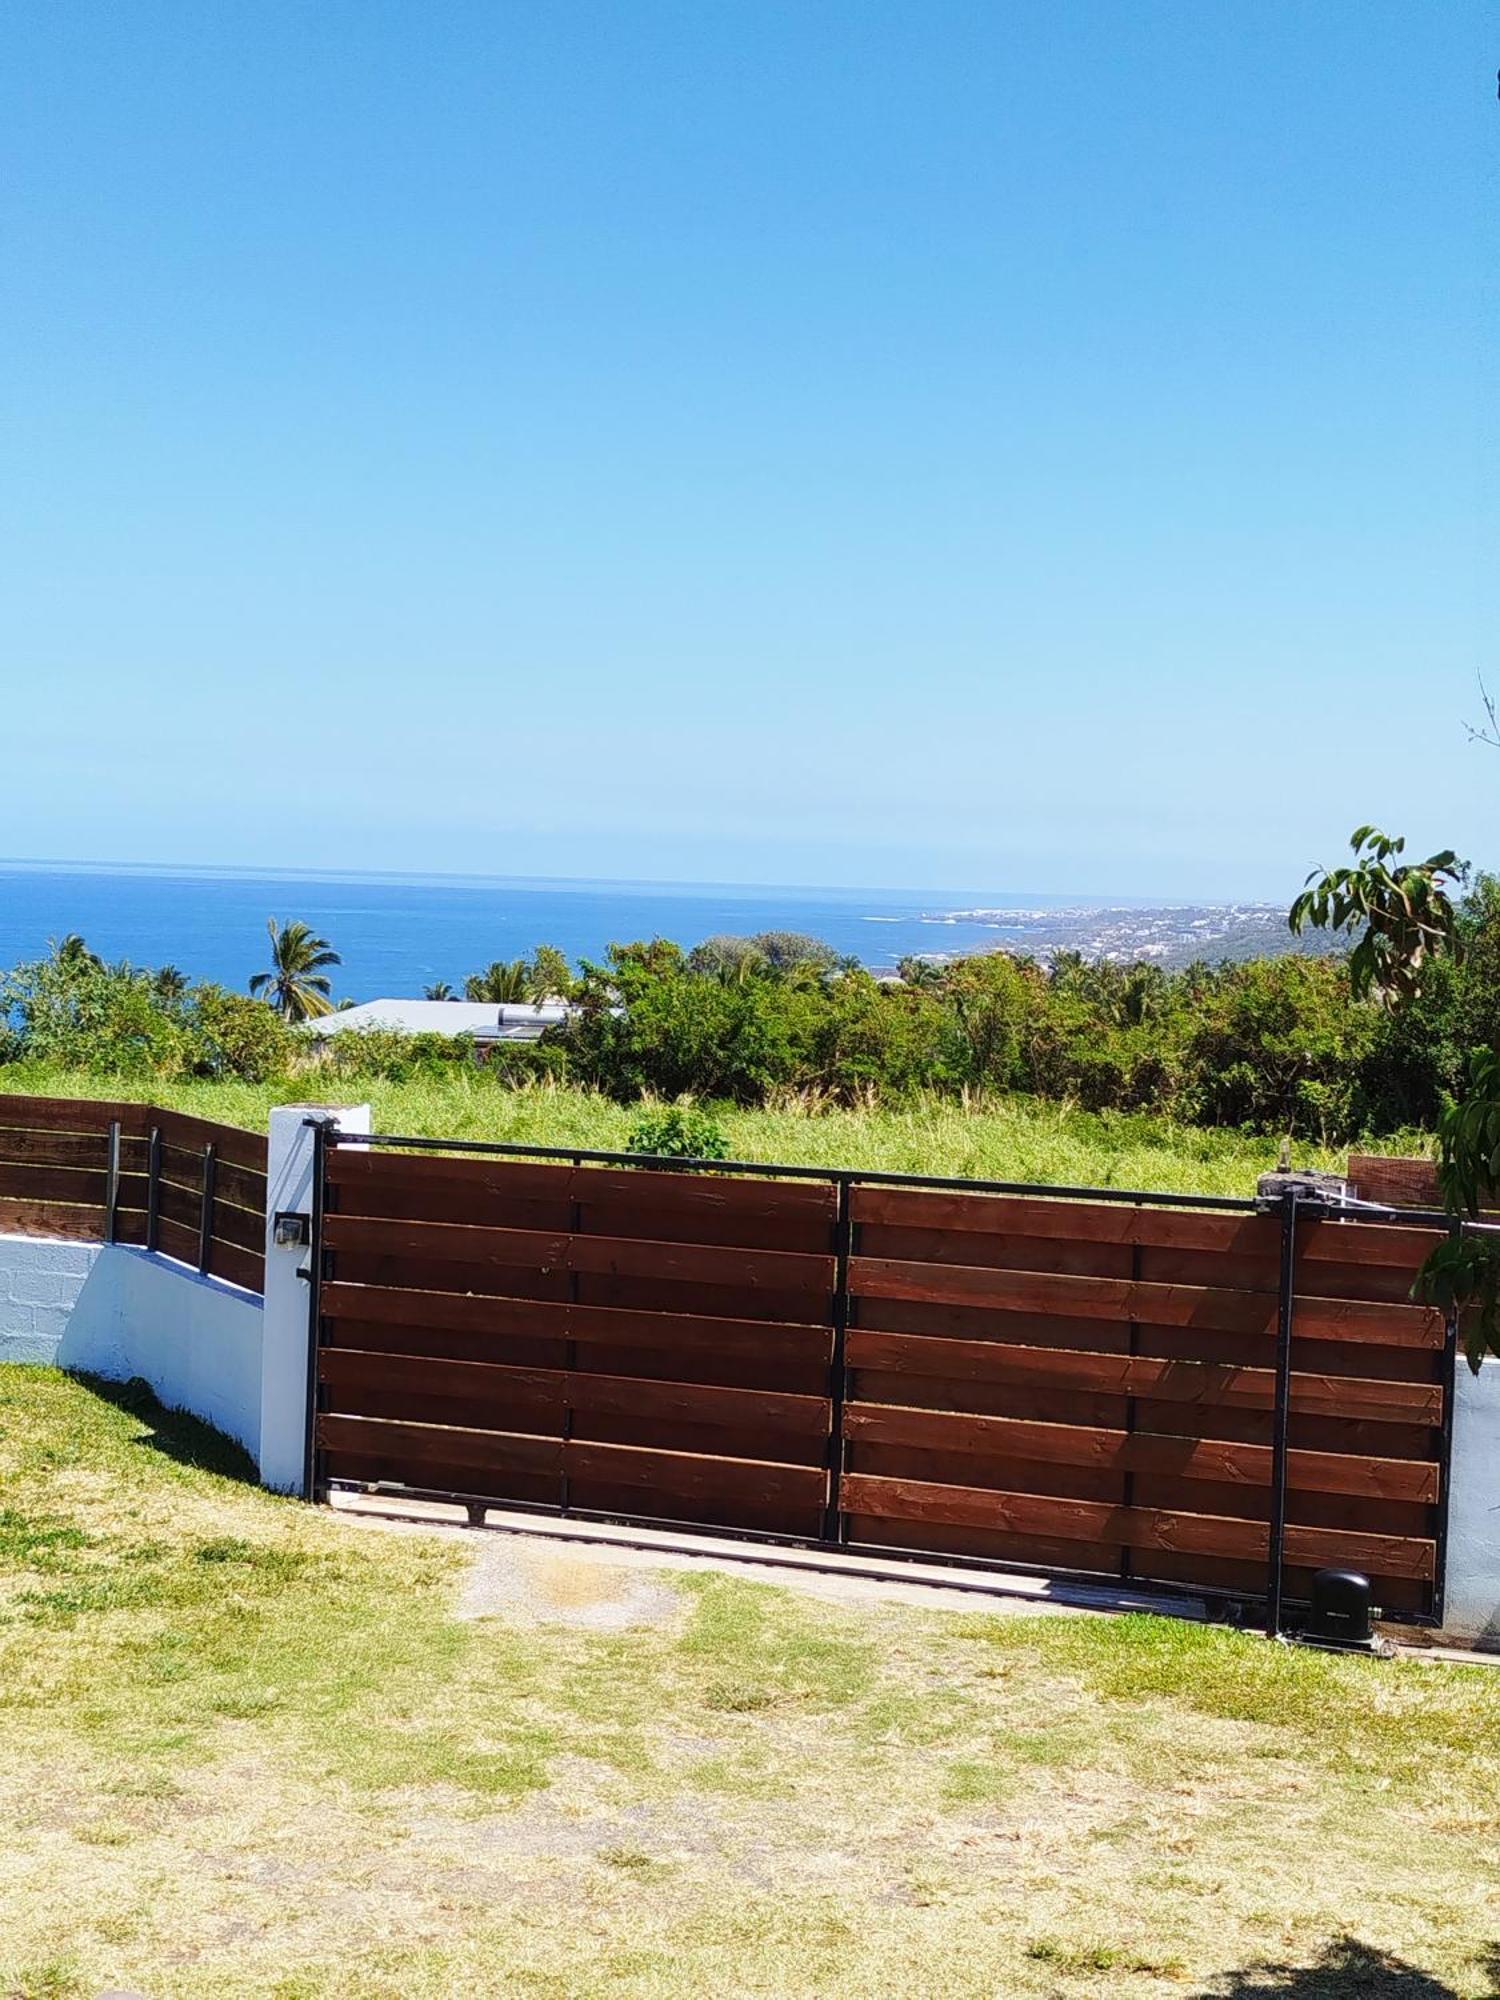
284	1355
1471	1597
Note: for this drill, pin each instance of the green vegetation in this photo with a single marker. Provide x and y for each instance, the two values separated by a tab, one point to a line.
1411	944
1011	1138
1292	1044
678	1132
257	1748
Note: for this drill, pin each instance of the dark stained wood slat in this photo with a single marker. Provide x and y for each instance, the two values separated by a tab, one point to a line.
1394	1181
1123	1299
1058	1216
643	1473
1170	1381
233	1143
26	1182
684	1194
54	1149
601	1326
491	1388
1333	1242
1132	1527
71	1114
1138	1451
687	1475
888	1243
239	1226
231	1224
20	1216
776	1270
243	1185
418	1445
246	1268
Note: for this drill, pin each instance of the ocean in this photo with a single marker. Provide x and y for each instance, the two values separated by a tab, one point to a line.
398	934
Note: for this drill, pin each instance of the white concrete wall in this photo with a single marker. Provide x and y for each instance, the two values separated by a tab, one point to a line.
196	1340
1471	1609
40	1282
119	1312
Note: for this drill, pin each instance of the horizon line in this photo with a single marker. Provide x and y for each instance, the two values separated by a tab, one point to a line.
266	872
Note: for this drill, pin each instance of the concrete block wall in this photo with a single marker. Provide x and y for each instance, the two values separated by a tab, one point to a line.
40	1284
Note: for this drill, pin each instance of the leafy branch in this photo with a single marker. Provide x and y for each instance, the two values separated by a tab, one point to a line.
1407	920
1404	910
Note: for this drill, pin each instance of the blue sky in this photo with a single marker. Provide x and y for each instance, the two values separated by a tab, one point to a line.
830	441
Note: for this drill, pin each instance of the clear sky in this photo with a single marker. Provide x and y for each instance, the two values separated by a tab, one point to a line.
1031	444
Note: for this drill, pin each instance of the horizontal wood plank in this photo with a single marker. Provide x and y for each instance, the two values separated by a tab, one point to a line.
1132	1527
1059	1216
70	1114
491	1390
1118	1450
681	1194
419	1445
1171	1381
1124	1300
71	1185
246	1268
21	1216
232	1143
597	1326
774	1270
54	1149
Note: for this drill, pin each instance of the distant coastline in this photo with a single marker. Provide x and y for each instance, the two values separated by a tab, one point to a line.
397	934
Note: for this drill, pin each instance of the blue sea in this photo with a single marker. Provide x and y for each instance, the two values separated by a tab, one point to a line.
398	934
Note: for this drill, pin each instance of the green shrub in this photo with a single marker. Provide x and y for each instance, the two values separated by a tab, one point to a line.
678	1132
232	1035
75	1012
393	1055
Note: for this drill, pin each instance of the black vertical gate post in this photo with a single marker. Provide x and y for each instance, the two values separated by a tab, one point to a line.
112	1185
311	1484
1132	1348
206	1211
570	1346
1285	1315
153	1189
835	1527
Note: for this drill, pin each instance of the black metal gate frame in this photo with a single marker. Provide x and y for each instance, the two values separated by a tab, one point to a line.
1291	1207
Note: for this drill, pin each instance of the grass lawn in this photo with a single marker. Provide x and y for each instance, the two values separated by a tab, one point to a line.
1017	1138
250	1749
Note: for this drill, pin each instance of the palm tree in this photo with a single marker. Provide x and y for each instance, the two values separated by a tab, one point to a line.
504	980
547	976
296	986
170	982
72	951
438	990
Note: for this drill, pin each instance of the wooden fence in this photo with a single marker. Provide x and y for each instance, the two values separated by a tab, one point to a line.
97	1170
1024	1378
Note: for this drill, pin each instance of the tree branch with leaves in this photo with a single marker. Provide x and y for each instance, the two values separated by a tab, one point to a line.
1406	921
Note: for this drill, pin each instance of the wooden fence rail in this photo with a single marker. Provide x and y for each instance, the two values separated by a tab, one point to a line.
97	1170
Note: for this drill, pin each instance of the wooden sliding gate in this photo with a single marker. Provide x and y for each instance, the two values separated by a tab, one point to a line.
1120	1387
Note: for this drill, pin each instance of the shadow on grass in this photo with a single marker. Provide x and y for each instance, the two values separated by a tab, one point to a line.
176	1434
1349	1970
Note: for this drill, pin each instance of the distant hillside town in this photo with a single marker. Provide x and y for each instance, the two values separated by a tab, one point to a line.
1170	937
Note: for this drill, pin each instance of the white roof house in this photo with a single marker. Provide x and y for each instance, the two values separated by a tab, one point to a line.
486	1021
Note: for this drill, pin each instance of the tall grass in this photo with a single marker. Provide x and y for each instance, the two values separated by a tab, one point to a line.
1010	1138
